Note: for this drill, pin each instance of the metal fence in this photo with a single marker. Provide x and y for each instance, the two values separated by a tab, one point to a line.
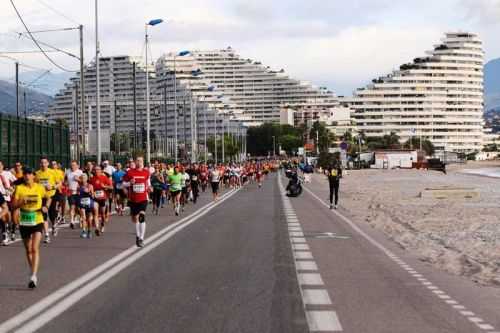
27	140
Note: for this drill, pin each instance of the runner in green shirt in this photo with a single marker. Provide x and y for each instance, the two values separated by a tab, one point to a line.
175	180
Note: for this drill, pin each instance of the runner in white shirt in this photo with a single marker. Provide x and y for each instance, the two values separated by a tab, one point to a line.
72	182
7	180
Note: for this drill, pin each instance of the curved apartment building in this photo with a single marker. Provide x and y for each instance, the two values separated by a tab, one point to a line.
438	97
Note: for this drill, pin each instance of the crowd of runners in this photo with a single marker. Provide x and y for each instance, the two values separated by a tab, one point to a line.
37	203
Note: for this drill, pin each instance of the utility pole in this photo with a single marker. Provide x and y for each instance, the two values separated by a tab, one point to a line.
24	104
184	119
176	148
317	142
82	90
114	127
205	130
215	140
77	125
165	110
17	89
135	103
148	111
98	90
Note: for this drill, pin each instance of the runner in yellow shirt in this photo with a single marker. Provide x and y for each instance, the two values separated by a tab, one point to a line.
47	178
58	200
29	198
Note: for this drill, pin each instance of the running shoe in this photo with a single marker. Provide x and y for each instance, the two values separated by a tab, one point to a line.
72	225
331	206
5	239
137	241
47	239
83	234
54	231
336	206
33	282
140	243
13	236
97	232
89	234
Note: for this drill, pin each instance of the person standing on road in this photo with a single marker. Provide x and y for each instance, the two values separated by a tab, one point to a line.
33	201
334	173
138	180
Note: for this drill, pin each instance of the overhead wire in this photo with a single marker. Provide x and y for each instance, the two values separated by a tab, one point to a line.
36	42
58	12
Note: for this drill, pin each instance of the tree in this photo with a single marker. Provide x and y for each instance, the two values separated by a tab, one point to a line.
260	138
320	135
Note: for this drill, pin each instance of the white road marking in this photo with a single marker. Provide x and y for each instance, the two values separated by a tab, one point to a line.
306	266
297	234
59	301
294	229
316	297
310	279
298	240
304	247
323	321
303	255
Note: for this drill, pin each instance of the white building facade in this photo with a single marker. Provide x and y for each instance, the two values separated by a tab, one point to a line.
438	97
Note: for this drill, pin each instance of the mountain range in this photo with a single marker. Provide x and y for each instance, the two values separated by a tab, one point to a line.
492	85
36	102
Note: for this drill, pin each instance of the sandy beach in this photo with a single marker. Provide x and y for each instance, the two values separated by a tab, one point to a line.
459	235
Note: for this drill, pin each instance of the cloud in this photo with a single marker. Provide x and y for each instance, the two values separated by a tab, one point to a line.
341	44
482	11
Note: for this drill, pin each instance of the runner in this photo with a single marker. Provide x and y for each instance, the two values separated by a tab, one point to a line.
139	186
185	184
175	188
73	176
58	204
89	209
47	179
6	189
157	182
215	177
30	197
101	184
119	193
108	170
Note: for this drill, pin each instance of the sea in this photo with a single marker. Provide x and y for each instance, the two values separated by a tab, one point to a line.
486	172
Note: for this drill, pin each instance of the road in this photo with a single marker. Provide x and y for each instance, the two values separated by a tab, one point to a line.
256	261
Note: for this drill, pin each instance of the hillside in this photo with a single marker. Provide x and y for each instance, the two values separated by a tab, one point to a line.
492	84
36	102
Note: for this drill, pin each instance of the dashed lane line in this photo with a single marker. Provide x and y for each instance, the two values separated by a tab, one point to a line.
308	276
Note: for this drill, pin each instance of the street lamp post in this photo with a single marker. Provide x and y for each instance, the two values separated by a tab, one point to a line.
98	90
148	111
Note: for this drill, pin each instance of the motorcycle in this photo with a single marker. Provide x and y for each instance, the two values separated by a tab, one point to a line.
294	187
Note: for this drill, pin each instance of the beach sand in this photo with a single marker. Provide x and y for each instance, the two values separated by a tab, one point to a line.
460	236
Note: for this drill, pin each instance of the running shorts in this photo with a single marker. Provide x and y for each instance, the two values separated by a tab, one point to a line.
137	207
74	200
26	231
215	187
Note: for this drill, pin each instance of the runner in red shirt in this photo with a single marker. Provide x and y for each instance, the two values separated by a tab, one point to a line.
101	184
139	186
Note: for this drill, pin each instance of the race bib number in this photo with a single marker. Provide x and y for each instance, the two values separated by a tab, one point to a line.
28	218
194	178
99	194
333	173
139	188
44	182
85	202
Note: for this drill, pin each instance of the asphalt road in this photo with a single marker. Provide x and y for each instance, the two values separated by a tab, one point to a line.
255	262
231	270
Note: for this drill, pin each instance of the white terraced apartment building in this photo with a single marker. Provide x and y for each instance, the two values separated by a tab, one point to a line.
215	86
250	91
438	97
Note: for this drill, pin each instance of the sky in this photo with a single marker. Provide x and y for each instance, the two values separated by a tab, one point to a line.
334	43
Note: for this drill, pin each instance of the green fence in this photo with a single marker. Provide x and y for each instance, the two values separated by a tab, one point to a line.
27	140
